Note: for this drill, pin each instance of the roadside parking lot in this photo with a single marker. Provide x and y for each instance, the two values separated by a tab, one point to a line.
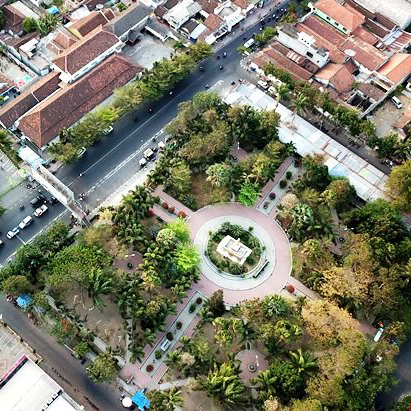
147	51
388	114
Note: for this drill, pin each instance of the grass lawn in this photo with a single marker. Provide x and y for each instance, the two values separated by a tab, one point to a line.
205	193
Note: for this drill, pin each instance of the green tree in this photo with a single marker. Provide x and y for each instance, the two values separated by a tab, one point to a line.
248	194
304	362
338	194
16	284
165	400
82	348
98	283
180	178
216	303
305	405
103	369
399	186
29	24
224	386
188	257
219	174
300	105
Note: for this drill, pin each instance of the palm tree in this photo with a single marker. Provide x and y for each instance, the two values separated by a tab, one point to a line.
219	175
304	362
300	105
265	382
224	387
98	283
173	359
172	398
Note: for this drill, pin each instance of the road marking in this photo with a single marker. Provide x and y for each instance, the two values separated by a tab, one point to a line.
20	239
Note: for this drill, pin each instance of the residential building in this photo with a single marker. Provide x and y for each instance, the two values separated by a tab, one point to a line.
132	19
68	105
86	54
25	386
62	40
14	14
7	88
181	13
87	24
304	44
336	76
33	95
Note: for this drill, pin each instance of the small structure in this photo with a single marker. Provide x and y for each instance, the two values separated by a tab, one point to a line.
141	401
24	301
233	250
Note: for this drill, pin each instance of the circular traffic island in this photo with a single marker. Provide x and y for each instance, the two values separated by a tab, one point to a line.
233	249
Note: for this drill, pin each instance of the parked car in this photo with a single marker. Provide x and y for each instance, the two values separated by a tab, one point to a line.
397	103
262	84
12	233
1	244
37	201
108	130
26	222
40	211
53	200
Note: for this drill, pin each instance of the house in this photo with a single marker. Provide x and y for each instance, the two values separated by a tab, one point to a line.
394	72
403	125
337	15
398	11
36	93
134	18
304	44
181	12
14	14
61	42
69	104
86	53
85	25
7	88
336	76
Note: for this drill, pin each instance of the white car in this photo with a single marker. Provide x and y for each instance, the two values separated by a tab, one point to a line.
40	211
12	233
27	221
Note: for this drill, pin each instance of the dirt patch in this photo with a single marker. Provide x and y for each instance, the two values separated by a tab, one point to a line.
205	193
106	323
196	400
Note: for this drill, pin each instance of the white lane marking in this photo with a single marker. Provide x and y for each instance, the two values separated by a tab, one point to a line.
20	239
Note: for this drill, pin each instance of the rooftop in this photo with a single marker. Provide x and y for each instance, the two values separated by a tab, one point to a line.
29	98
129	19
85	50
213	22
340	14
93	20
28	387
71	103
338	76
397	68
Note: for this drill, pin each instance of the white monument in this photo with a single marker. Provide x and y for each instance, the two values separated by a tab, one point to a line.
234	250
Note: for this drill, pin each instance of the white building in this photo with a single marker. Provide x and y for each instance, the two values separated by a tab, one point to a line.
26	387
303	44
233	249
181	13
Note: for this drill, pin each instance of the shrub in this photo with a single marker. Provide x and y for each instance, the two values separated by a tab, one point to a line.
283	183
171	209
179	324
164	205
272	196
169	336
156	199
158	354
149	368
150	213
199	300
182	214
288	175
192	308
250	229
290	288
250	260
265	205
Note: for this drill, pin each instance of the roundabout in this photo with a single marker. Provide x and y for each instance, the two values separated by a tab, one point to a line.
269	274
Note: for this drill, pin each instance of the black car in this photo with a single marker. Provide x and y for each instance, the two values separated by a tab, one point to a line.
37	201
53	200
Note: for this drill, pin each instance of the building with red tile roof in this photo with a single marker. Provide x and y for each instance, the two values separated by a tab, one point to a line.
36	93
337	76
86	53
84	26
336	14
397	69
213	22
65	107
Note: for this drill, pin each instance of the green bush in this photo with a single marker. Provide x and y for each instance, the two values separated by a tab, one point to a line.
158	354
250	260
179	324
288	175
170	336
192	308
283	183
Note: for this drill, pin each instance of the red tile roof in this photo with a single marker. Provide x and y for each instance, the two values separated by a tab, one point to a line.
92	21
363	53
29	98
213	22
63	40
338	76
43	123
13	19
288	65
243	4
366	36
340	14
397	68
208	5
86	50
5	83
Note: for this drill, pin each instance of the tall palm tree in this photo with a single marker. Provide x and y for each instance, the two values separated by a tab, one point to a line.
304	362
173	359
265	382
300	105
224	387
98	283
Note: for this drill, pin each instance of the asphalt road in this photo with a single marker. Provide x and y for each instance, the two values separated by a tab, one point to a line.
59	361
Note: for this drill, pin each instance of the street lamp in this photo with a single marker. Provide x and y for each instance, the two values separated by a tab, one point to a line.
256	361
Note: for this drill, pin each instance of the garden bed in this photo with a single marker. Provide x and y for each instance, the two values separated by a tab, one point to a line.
246	237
